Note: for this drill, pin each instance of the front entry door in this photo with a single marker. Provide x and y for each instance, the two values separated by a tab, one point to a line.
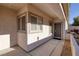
57	30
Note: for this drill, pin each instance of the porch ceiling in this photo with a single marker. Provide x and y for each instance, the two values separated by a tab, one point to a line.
66	9
14	6
52	9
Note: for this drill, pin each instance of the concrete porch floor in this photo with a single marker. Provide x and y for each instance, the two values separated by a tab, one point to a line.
51	48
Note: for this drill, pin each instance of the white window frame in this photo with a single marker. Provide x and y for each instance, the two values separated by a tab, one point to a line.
40	30
50	27
32	31
37	30
20	17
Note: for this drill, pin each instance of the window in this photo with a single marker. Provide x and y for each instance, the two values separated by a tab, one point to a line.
50	27
18	23
21	23
35	23
40	22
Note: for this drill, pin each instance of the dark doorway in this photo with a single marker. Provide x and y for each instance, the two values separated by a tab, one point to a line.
57	30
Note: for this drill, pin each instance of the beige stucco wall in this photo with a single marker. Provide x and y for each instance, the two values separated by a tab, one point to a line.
32	37
22	40
7	28
44	35
22	35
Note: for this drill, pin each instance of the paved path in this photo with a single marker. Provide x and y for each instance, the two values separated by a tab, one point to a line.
51	48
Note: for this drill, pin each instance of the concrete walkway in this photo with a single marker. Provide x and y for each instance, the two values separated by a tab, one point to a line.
51	48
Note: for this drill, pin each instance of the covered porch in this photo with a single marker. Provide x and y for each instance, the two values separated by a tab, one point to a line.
31	25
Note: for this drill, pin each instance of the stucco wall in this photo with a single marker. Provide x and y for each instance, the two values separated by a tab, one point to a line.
32	37
22	40
44	35
7	28
22	35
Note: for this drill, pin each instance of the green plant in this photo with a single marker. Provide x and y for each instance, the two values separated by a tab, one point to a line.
76	21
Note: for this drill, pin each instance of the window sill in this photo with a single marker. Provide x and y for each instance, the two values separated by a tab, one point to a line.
21	31
32	32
